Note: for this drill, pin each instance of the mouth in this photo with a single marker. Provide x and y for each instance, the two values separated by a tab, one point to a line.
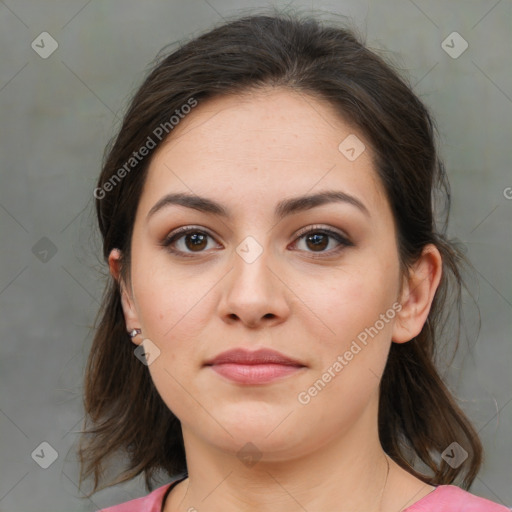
257	367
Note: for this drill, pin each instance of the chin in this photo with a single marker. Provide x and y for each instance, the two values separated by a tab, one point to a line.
254	423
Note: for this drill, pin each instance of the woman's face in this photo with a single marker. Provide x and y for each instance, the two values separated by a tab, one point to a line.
251	280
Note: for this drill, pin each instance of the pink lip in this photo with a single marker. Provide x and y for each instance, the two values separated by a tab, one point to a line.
245	357
256	367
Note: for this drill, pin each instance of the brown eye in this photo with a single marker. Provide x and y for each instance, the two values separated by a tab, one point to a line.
195	241
317	240
191	239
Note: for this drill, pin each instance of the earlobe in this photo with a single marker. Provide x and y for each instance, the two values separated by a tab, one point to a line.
417	295
129	311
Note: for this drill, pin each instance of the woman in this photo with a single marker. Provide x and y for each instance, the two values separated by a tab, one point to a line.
278	284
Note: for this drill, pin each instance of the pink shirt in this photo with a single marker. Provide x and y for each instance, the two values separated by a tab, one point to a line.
444	498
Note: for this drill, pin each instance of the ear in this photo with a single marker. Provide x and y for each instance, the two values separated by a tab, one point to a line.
127	302
418	292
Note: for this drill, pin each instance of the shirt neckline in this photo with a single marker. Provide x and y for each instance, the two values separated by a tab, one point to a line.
421	501
426	499
171	486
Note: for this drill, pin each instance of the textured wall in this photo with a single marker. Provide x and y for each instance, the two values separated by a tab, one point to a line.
58	112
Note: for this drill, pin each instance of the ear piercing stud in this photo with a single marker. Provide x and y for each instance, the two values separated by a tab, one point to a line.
134	332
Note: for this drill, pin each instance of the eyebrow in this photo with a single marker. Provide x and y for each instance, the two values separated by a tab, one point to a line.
284	208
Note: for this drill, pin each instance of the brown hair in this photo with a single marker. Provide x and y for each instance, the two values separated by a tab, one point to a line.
418	417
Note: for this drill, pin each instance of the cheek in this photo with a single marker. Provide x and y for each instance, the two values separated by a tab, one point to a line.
175	309
353	300
353	356
166	297
172	314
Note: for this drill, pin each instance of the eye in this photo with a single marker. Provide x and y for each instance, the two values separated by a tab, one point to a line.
192	238
318	239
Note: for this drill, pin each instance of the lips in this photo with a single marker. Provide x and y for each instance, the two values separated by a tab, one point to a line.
246	357
259	367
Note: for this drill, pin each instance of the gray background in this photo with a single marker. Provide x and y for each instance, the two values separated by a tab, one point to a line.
56	116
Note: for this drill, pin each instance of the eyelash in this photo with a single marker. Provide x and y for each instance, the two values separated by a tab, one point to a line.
181	232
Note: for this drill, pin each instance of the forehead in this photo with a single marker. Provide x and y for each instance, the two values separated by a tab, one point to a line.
267	144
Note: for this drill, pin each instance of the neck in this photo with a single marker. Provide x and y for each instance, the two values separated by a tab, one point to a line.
347	473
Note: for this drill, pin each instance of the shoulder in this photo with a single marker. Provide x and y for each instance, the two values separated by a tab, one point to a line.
152	502
450	498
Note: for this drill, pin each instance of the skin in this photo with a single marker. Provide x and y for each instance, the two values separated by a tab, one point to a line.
249	152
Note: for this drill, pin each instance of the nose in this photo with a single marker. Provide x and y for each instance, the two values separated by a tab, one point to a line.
254	293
